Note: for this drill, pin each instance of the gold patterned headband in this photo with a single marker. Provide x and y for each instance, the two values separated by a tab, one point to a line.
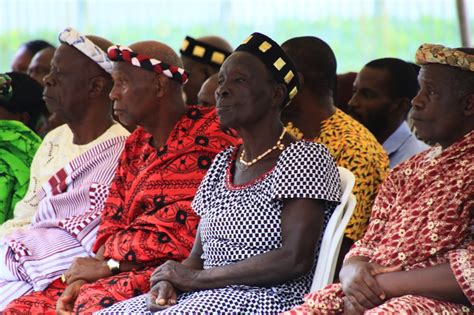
433	53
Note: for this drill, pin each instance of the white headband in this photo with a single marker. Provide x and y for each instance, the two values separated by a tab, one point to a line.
72	37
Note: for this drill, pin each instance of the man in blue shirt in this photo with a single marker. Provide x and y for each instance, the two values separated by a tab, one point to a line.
381	99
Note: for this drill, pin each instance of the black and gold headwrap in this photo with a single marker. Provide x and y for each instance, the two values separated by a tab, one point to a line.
275	59
203	52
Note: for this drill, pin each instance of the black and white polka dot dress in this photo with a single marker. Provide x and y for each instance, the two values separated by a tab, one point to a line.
241	221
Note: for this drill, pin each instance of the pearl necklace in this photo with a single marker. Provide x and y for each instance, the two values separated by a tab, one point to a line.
278	145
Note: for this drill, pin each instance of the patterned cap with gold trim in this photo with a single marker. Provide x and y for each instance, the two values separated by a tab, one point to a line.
435	53
276	60
203	52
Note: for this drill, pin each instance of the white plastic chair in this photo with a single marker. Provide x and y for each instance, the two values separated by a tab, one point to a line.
332	237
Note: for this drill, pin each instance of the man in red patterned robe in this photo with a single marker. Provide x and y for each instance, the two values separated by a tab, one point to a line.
417	256
147	218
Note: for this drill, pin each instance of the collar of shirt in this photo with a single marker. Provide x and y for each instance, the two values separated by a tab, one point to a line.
396	139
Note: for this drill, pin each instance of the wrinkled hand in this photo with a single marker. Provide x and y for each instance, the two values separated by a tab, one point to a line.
359	285
65	304
180	276
162	295
88	269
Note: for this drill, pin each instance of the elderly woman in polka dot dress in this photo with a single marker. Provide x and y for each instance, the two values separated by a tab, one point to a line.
263	205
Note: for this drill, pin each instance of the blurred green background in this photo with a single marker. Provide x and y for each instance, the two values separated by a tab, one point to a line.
357	30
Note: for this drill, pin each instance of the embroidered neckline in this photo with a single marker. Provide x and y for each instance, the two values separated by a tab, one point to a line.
229	177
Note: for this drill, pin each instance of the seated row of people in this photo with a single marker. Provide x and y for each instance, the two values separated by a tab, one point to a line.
265	199
156	178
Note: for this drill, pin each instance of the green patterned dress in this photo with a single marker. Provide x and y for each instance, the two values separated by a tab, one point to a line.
18	145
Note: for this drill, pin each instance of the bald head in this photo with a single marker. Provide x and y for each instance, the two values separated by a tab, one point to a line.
103	43
46	54
206	95
40	65
217	42
158	51
140	95
316	61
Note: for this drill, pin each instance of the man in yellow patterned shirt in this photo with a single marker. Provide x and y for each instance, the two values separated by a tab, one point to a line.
312	115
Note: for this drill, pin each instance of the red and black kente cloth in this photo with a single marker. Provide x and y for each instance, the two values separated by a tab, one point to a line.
147	217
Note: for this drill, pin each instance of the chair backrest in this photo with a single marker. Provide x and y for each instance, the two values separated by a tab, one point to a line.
336	243
332	237
347	183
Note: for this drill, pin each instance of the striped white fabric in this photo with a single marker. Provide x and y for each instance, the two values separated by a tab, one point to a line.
65	224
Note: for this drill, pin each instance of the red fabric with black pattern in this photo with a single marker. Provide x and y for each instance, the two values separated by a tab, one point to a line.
147	216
